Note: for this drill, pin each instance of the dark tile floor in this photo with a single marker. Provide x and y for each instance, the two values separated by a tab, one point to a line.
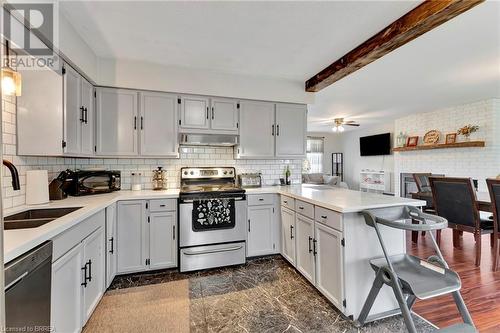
265	295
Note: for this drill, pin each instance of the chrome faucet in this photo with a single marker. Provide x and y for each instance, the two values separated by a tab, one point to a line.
14	174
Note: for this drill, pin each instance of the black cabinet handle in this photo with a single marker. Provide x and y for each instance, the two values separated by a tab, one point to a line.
278	130
207	112
284	201
135	123
272	130
314	246
213	112
300	207
84	269
291	232
324	216
112	245
248	225
260	199
142	122
310	239
90	270
86	115
82	118
173	232
162	205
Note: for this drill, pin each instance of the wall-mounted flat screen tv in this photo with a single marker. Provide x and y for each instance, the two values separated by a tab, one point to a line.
373	145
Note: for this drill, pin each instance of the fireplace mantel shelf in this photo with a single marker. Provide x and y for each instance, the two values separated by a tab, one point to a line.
442	146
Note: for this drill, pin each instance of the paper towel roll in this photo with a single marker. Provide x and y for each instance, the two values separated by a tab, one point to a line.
37	187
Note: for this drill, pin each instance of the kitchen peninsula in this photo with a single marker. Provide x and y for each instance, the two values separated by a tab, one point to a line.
328	217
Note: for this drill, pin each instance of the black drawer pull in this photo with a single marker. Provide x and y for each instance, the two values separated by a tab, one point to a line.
324	216
301	207
260	199
163	205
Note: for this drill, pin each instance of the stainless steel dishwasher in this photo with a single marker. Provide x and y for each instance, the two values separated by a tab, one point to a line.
27	290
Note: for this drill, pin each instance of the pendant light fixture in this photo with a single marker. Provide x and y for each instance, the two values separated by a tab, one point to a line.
11	80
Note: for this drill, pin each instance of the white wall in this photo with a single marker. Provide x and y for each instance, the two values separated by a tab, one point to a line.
142	75
477	163
354	162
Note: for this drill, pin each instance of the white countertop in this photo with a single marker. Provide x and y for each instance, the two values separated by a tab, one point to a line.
338	199
16	242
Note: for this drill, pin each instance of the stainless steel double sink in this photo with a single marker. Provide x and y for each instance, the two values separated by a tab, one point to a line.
35	217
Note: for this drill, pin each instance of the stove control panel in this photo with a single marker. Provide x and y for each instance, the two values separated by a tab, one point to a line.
207	172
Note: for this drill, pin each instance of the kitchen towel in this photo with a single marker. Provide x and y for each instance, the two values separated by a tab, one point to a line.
37	187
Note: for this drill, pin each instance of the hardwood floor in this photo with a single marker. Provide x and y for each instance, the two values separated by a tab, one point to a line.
480	285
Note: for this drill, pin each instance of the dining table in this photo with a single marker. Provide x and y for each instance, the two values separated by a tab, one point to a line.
482	198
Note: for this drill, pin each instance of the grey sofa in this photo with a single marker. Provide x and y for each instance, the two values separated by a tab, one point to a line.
322	179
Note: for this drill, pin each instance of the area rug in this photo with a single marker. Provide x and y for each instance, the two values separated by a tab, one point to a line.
151	308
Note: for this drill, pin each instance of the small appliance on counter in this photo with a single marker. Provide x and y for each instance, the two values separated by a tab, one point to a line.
136	181
248	180
86	182
159	179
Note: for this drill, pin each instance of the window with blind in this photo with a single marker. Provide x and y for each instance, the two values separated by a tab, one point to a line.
315	152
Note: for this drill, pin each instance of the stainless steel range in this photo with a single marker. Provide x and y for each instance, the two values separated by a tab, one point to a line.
212	219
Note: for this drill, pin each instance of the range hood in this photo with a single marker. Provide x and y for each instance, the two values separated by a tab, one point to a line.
221	140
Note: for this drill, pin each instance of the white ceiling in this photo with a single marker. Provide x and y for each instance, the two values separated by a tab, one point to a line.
293	40
456	63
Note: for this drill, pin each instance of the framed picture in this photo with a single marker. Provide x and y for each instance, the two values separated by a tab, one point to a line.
451	138
412	141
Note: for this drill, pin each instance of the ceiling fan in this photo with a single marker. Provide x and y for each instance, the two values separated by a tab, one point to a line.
339	123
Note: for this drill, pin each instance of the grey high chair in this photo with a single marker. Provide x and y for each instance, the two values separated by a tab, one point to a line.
409	276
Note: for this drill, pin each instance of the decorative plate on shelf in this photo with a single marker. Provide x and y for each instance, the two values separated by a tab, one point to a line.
431	137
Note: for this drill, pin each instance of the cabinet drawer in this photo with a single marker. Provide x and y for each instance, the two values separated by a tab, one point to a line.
304	208
329	218
64	242
162	205
288	202
260	199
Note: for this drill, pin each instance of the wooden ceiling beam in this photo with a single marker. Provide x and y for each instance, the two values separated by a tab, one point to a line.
418	21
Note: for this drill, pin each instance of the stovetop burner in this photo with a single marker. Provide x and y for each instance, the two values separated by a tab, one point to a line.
208	182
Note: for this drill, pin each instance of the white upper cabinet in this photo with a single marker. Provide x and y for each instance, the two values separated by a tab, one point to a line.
87	125
73	111
158	124
257	130
291	129
78	114
195	112
224	114
208	115
117	122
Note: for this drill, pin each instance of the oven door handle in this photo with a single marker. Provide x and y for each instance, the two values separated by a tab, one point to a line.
191	201
228	249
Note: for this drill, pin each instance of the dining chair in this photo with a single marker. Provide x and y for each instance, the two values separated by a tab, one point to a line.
455	200
424	186
494	189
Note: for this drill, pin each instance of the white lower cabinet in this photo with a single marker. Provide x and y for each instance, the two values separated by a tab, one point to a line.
110	244
288	234
314	248
78	283
145	240
260	236
162	240
329	264
305	246
66	299
93	256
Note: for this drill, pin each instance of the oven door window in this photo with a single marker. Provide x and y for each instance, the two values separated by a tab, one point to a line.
213	214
